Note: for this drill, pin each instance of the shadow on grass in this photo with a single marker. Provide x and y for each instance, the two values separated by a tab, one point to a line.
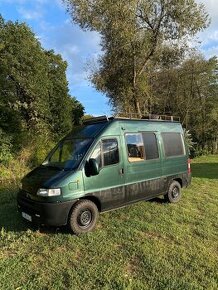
158	200
205	170
11	220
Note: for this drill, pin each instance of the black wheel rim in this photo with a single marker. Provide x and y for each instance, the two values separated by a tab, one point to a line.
85	218
175	192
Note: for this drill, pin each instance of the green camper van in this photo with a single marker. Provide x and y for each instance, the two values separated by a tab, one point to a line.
104	164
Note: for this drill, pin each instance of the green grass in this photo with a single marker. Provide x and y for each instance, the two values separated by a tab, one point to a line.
149	245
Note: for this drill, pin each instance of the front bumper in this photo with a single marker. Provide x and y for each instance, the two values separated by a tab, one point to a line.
46	213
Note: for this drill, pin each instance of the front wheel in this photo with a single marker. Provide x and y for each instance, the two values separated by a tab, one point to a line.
174	192
83	217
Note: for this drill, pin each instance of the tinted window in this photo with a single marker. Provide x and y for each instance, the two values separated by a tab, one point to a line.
173	144
135	147
106	152
150	145
68	154
86	131
91	130
110	152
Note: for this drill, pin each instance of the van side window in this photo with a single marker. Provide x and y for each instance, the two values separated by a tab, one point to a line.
173	144
110	152
150	144
135	147
106	152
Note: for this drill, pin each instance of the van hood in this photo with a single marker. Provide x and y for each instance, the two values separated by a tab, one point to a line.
42	177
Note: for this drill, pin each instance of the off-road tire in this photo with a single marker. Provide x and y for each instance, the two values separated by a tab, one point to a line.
83	217
174	193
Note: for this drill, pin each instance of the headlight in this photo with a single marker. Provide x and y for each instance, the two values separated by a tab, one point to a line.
49	192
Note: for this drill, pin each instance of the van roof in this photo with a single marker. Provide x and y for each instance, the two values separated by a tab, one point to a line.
150	118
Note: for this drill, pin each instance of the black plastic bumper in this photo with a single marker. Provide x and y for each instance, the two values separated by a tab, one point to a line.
52	214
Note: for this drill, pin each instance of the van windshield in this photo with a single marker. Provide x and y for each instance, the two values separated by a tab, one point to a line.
68	154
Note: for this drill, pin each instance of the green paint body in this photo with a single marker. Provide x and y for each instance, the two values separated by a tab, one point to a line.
118	184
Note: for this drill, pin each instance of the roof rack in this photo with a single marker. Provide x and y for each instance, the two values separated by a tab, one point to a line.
127	116
162	118
155	117
132	116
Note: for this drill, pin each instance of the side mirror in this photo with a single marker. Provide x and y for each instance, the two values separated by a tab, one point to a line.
93	167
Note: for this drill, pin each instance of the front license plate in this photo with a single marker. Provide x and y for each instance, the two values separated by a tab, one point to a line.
26	216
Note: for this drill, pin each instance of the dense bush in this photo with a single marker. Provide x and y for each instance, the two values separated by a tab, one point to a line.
5	147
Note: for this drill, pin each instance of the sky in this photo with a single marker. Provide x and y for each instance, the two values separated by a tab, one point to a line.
53	27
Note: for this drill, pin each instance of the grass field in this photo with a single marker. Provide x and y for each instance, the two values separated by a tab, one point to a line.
149	245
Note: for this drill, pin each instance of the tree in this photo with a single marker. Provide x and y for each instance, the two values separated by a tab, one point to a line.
77	111
34	97
23	75
190	90
60	102
133	33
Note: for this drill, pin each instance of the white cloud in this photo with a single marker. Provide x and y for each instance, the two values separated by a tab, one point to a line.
211	8
211	51
31	9
213	35
75	46
70	50
209	37
29	14
59	3
22	2
14	1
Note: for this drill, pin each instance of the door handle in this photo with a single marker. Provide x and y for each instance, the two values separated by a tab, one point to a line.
121	171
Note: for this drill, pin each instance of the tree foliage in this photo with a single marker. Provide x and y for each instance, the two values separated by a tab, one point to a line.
134	33
34	95
190	90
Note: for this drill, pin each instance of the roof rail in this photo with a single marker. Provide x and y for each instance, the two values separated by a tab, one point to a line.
132	116
155	117
127	116
162	117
